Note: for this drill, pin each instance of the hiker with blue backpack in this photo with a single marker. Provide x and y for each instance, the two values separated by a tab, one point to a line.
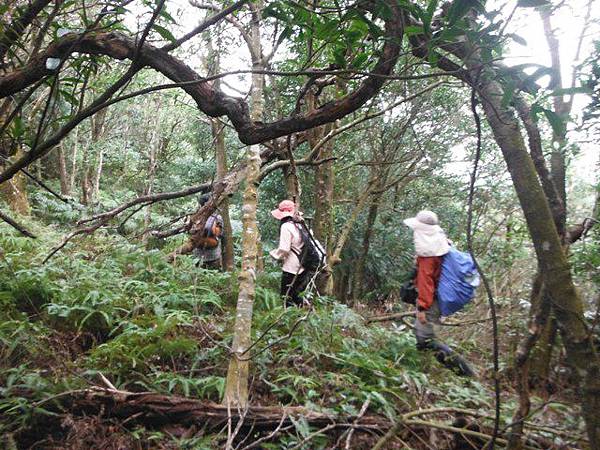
445	281
299	252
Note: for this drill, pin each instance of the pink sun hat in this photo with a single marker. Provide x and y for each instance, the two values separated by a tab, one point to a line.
286	208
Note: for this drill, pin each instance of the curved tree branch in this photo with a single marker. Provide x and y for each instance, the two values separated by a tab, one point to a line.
209	100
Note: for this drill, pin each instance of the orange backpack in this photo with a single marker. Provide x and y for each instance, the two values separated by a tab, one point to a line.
211	234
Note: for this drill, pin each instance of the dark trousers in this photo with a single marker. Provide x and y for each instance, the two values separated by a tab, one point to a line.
292	285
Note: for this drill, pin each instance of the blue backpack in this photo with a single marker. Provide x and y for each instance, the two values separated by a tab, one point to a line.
458	281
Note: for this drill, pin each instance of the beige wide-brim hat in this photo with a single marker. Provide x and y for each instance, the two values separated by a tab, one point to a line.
423	219
285	209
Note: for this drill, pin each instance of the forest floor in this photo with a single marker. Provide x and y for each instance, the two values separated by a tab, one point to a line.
108	346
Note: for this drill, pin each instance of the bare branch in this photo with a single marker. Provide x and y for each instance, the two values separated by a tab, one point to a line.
104	218
204	25
12	33
20	228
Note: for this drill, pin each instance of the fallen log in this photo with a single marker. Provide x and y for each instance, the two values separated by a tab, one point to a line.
155	410
387	317
403	315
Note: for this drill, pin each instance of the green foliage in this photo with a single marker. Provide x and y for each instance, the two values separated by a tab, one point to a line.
149	326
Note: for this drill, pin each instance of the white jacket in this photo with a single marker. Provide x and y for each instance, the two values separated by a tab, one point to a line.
430	240
290	246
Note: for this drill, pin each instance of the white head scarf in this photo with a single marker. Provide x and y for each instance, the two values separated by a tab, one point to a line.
429	238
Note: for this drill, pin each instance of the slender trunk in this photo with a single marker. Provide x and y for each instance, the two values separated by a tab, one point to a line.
381	175
152	151
97	131
236	389
552	261
74	156
85	179
291	185
62	167
347	228
542	354
213	64
324	190
14	191
359	273
218	130
539	313
97	175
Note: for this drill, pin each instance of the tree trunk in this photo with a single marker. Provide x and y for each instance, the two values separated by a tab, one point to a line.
236	389
359	273
152	164
551	258
97	175
291	185
85	179
538	314
324	189
213	66
74	155
542	354
14	190
218	132
62	168
98	121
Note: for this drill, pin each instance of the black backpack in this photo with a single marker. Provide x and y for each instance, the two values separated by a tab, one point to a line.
312	257
408	291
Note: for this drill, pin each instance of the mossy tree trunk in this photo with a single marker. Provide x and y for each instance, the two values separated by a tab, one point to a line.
236	389
542	354
218	132
552	261
323	195
13	191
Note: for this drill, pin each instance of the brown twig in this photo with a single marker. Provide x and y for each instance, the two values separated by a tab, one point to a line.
17	226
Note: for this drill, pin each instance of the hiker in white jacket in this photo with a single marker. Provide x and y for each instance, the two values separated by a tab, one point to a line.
431	244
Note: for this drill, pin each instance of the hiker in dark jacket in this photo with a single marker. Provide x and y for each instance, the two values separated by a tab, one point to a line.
209	240
293	278
431	244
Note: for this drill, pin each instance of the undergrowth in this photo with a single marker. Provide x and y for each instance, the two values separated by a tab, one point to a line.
106	308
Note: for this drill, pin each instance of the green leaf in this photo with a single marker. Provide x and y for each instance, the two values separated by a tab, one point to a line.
450	34
168	17
413	29
165	34
509	90
69	97
339	56
286	33
325	30
272	10
359	60
428	15
518	39
18	127
558	124
532	3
